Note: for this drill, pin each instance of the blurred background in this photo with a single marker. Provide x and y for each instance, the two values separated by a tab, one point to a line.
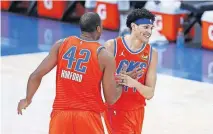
183	30
183	36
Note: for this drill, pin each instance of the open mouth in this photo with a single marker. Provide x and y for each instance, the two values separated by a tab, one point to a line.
146	36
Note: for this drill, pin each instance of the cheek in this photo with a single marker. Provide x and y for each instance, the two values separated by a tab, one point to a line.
142	31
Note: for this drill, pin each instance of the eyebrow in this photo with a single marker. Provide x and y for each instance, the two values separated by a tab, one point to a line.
147	25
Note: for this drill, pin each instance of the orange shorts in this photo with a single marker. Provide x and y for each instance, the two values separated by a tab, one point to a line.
78	122
126	122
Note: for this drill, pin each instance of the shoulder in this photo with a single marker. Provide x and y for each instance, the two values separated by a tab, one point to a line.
105	56
153	55
111	46
59	42
109	43
154	52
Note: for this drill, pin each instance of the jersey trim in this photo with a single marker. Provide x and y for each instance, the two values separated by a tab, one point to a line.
115	47
86	40
132	52
150	55
99	49
61	45
104	125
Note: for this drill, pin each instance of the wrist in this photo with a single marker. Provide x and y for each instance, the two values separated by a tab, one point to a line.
29	100
136	84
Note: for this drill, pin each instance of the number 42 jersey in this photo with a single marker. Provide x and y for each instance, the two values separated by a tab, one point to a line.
78	76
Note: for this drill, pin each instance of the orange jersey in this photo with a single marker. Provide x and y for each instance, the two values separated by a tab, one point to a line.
78	76
131	98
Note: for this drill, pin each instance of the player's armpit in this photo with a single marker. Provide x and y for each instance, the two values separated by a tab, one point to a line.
111	93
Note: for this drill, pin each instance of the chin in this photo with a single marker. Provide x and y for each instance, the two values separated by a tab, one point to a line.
145	40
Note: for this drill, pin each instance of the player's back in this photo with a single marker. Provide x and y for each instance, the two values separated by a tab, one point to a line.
78	76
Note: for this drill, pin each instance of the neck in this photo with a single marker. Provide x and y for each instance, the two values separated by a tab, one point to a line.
133	42
88	36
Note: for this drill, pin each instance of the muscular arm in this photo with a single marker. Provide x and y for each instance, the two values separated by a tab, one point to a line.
107	64
148	89
46	66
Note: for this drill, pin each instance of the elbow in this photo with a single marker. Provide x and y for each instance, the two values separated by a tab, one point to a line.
149	97
111	102
35	76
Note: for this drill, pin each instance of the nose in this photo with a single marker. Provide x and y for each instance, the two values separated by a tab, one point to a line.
149	30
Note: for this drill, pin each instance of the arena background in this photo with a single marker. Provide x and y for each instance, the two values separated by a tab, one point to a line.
183	102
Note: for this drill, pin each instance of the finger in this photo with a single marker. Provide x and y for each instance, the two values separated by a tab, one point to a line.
117	77
120	76
122	72
134	76
124	68
139	72
18	108
19	111
123	76
137	68
130	73
119	81
123	83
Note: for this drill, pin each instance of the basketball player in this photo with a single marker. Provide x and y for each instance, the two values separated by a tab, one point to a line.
127	114
82	64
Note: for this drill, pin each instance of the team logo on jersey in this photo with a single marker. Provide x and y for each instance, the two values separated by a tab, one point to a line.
145	56
131	65
122	53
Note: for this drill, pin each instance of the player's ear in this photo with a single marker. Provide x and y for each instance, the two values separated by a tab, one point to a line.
98	29
133	25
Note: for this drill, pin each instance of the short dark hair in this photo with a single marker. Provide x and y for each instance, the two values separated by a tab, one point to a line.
137	14
89	22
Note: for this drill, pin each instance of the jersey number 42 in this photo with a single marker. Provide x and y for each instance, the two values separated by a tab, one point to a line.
70	57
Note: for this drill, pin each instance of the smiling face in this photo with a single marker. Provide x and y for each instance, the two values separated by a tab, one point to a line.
140	22
142	32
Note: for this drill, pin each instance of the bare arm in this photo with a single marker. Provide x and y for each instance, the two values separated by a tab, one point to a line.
35	78
148	89
45	67
109	45
107	63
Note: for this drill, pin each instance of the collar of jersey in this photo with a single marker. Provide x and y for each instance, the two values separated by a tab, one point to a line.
86	40
133	52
